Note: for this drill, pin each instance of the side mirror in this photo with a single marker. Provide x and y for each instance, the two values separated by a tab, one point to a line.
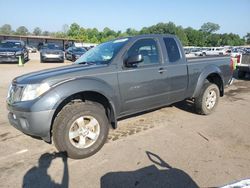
132	60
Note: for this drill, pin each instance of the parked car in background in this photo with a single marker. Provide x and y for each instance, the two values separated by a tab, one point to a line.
236	52
244	64
214	51
11	50
51	52
73	53
247	50
197	51
31	49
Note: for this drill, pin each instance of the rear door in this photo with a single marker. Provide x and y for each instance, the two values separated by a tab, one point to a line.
142	86
177	70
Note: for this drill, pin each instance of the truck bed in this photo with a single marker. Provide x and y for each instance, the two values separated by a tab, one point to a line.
197	65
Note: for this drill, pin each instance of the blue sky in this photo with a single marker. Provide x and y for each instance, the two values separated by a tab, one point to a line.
231	15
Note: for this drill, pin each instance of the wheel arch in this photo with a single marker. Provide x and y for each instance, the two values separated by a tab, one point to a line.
211	74
88	97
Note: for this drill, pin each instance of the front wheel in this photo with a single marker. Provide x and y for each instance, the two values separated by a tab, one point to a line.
208	99
80	129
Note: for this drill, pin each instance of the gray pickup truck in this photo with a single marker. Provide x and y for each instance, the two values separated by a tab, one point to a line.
77	104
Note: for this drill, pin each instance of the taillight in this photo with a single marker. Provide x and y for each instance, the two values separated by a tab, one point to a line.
232	65
238	58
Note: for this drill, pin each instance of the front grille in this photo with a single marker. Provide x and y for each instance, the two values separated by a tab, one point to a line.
15	93
7	53
245	59
55	53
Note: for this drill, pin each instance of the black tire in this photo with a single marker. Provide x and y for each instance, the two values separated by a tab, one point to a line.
41	59
241	74
200	101
64	120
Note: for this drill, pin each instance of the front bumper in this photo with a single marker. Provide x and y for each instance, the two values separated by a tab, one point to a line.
8	59
32	123
52	57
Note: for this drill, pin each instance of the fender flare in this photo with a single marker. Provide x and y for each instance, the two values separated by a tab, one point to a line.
211	69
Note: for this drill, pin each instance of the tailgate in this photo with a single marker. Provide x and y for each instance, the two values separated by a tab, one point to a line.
245	59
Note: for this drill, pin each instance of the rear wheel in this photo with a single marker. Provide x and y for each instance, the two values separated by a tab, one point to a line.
80	129
208	99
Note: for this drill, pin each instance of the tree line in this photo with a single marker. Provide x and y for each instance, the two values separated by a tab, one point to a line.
205	36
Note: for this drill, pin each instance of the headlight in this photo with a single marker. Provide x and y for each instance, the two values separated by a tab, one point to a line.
33	91
19	53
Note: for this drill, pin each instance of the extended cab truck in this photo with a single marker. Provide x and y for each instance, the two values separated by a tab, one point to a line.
76	104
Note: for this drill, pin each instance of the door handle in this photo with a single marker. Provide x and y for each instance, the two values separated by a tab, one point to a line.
162	70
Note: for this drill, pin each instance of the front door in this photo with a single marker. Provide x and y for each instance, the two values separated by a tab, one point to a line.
142	86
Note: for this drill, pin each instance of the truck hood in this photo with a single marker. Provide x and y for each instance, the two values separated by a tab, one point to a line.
59	74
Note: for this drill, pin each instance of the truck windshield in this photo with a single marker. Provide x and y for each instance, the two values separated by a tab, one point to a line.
103	53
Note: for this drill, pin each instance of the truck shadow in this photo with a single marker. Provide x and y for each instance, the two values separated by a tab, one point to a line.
186	105
149	176
38	176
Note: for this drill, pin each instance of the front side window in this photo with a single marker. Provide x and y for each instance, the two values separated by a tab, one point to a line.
172	50
148	49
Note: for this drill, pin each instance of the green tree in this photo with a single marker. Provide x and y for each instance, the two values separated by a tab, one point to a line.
46	33
6	29
37	31
214	40
247	38
22	30
210	27
132	32
74	30
181	35
195	37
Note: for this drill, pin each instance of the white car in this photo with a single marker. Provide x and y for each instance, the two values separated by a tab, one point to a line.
215	51
197	52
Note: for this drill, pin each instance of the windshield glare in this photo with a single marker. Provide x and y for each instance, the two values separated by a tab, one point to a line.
103	53
10	45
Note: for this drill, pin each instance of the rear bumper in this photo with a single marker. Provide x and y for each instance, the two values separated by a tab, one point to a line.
243	68
32	123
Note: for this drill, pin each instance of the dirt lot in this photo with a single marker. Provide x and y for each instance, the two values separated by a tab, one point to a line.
167	147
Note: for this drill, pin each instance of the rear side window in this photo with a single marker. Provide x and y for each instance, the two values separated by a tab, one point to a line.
172	50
